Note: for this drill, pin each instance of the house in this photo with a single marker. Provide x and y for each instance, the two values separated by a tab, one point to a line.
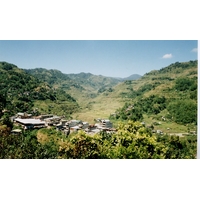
95	131
74	128
104	124
85	125
73	123
30	123
23	115
61	125
54	120
63	122
42	117
92	129
12	118
20	115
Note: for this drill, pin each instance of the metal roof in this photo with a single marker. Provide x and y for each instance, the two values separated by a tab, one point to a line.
29	121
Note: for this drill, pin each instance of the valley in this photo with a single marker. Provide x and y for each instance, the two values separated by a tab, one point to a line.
154	116
162	83
85	96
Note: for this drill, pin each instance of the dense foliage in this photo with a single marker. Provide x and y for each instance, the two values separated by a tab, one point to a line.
176	68
131	141
185	83
25	146
172	89
128	112
19	91
81	81
151	105
183	111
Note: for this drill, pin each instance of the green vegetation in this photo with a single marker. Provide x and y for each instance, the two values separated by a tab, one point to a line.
21	92
168	94
163	100
128	112
184	84
25	146
82	81
131	141
183	111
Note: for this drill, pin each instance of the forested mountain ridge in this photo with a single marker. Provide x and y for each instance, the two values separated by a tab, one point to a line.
93	82
82	81
161	81
21	92
84	87
41	88
50	76
169	93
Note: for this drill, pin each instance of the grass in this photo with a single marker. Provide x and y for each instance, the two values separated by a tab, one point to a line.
57	108
165	126
100	107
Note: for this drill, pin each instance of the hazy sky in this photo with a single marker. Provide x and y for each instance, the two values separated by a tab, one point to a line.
115	58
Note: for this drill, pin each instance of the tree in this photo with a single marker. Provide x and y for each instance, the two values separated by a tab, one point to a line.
6	121
184	83
2	103
183	111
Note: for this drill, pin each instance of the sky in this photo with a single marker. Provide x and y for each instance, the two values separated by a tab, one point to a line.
112	58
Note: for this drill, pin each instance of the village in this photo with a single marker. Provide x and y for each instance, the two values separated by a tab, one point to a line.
27	121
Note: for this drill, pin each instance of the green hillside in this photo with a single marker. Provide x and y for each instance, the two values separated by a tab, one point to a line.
84	87
81	81
92	82
168	95
21	92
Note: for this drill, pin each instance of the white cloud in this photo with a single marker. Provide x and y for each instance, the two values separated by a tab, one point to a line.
167	56
194	50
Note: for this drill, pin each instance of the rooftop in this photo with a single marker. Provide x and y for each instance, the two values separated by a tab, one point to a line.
29	121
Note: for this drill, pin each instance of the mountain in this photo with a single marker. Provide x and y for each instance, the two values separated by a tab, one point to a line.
158	81
159	93
92	82
168	95
86	88
51	76
83	81
132	77
82	86
100	96
22	92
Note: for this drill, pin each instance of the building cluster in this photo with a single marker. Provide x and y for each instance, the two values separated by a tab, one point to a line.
27	121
